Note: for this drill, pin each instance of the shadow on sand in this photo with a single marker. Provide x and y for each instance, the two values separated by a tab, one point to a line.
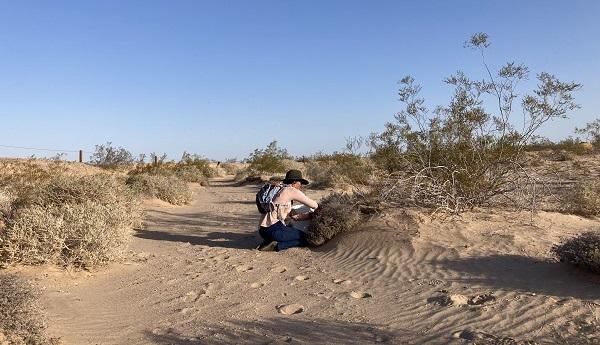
525	274
225	230
283	331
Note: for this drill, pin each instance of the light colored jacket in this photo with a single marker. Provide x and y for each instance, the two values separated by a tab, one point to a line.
283	205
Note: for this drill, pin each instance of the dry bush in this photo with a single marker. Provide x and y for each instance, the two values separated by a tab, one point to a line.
168	188
21	321
339	169
190	173
339	213
585	198
232	168
582	250
69	220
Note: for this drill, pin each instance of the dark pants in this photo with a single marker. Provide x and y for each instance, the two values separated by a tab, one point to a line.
286	236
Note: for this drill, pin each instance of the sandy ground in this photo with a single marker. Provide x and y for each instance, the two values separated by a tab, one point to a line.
402	278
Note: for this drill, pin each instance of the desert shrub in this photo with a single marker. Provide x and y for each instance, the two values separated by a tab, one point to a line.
582	250
21	321
464	153
340	213
107	156
191	173
191	168
584	199
331	170
268	160
198	162
231	168
168	188
70	220
592	132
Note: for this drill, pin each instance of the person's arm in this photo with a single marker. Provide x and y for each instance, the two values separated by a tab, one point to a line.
297	195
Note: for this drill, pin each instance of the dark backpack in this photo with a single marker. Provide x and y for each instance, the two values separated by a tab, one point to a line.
265	196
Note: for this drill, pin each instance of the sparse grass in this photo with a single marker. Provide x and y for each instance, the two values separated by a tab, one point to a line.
168	188
21	321
582	250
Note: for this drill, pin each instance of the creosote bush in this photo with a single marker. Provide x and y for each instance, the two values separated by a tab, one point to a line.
168	188
70	220
582	250
109	157
268	160
464	153
21	320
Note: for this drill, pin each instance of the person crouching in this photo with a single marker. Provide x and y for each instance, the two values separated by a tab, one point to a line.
273	229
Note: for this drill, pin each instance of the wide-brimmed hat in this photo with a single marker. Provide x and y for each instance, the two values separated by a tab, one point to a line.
294	175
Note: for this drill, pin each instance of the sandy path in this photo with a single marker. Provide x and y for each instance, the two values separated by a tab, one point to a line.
195	279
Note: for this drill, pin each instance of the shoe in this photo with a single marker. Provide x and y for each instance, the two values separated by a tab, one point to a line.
267	246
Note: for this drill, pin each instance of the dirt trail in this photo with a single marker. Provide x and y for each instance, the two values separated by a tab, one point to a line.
194	278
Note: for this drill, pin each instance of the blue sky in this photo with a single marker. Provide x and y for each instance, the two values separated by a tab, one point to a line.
221	78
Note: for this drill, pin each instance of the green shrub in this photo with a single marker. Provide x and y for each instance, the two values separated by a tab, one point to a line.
21	321
582	250
463	153
268	160
70	220
168	188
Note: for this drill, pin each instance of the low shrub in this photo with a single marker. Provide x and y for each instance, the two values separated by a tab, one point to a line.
191	173
584	199
337	213
21	321
200	163
231	168
168	188
582	250
82	221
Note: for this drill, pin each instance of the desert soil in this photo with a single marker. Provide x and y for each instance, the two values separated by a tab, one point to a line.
193	277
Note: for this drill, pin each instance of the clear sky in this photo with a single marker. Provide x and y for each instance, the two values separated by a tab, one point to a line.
221	78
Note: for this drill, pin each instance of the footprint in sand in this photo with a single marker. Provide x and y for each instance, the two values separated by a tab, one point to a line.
301	278
280	269
360	294
289	309
194	296
243	268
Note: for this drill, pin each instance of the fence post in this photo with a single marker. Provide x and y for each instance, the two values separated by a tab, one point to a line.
80	156
155	160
